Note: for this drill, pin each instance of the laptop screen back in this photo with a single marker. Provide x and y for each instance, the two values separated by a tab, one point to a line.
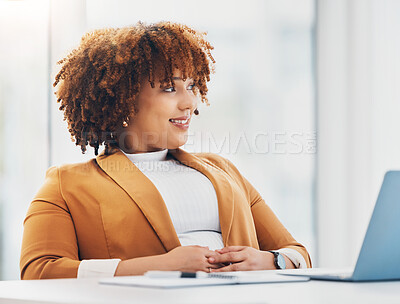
379	257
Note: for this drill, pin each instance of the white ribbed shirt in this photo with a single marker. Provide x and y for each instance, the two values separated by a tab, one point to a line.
192	204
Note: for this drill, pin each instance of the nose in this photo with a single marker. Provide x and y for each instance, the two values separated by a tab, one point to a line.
187	100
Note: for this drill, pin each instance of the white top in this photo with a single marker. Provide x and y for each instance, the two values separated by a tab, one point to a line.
194	213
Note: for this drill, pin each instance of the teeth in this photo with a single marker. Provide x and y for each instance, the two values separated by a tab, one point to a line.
179	121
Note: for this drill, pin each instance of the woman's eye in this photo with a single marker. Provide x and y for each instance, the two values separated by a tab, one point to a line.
170	89
190	87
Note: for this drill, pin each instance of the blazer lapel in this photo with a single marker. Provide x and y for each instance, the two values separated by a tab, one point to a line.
143	193
222	186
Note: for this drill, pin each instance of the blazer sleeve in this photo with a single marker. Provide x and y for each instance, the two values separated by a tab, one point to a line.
49	246
271	234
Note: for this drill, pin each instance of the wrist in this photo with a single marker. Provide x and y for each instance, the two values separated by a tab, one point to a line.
268	260
289	263
281	262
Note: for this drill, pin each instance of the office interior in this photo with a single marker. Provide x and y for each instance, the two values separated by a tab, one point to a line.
304	101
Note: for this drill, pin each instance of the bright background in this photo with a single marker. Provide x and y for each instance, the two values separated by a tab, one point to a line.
304	102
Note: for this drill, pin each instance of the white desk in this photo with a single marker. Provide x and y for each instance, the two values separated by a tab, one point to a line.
89	291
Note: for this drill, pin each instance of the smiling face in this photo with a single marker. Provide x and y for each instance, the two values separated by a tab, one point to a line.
162	118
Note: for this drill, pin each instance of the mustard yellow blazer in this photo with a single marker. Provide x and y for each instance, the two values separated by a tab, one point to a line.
107	208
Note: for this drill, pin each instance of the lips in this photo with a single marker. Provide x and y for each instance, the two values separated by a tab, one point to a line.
181	122
181	117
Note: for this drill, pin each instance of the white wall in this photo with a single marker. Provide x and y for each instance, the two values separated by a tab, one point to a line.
23	119
358	112
68	25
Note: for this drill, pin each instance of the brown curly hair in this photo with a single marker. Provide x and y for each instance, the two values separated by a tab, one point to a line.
99	81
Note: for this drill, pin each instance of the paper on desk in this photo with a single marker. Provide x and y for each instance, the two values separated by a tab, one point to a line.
242	277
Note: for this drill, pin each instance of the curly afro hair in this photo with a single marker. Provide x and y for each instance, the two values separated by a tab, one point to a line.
98	82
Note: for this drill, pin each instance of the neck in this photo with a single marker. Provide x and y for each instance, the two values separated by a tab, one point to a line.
137	151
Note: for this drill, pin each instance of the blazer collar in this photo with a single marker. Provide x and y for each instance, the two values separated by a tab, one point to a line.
149	200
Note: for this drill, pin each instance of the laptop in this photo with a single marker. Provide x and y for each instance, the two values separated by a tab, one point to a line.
379	257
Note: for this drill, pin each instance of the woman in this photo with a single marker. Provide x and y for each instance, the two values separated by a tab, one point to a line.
144	203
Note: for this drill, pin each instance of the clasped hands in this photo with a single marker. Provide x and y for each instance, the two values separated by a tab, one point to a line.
231	258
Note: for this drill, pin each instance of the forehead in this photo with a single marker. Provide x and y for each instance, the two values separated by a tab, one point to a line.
164	78
177	74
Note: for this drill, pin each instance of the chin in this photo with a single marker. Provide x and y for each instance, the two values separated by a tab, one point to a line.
176	144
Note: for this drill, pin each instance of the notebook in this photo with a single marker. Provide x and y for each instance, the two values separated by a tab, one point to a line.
379	255
240	277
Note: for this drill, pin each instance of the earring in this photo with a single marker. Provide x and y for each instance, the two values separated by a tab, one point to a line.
196	112
124	124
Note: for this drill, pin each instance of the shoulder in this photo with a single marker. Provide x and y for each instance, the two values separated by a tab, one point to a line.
73	170
57	176
62	179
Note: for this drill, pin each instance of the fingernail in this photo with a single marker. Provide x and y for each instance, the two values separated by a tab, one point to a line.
211	260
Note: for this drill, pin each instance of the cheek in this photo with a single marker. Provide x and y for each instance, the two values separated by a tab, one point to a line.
156	112
164	111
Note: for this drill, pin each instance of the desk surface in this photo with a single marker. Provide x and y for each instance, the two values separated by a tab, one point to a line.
89	291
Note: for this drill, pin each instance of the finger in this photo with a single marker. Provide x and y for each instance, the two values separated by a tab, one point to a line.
230	257
210	267
210	253
214	266
232	267
231	249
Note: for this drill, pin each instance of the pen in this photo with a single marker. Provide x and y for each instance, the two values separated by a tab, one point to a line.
175	274
179	274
